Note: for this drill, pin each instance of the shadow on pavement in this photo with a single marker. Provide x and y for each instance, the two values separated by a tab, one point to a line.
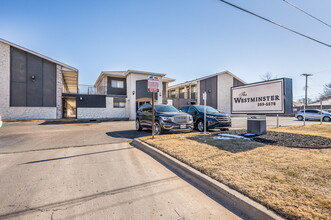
129	134
79	155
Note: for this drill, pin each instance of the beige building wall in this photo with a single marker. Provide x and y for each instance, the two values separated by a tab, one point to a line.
224	84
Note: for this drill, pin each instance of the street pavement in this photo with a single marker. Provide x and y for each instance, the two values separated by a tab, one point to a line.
90	171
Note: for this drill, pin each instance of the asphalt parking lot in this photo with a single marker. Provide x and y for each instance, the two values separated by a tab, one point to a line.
89	170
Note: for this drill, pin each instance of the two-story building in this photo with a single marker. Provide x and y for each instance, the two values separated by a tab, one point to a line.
124	92
32	85
217	86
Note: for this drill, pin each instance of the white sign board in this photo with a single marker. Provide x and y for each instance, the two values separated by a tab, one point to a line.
263	97
153	84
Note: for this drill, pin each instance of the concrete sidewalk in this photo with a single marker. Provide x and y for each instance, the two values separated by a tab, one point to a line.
113	181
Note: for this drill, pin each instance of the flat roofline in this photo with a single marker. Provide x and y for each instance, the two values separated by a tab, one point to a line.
206	77
124	74
38	54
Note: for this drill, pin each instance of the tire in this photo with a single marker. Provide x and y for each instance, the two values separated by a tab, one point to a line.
300	118
327	119
157	128
138	125
200	126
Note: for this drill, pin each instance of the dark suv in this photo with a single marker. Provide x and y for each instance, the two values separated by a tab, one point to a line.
167	118
215	119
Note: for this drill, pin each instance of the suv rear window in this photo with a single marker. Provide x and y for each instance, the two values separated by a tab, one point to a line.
165	108
184	108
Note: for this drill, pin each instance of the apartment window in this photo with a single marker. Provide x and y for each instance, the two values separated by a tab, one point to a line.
193	89
119	104
117	84
181	93
173	93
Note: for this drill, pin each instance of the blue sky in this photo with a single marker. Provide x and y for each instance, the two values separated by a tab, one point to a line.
185	39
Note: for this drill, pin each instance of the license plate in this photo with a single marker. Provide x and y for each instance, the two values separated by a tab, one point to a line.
182	126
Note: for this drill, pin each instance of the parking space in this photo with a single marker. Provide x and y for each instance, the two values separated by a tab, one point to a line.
27	136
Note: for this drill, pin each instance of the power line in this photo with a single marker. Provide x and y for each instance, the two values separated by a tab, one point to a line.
307	13
263	18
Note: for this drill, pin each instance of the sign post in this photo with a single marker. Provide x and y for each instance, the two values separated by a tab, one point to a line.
153	87
204	96
321	112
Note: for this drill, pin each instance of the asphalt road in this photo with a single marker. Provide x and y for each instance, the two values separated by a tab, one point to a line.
90	171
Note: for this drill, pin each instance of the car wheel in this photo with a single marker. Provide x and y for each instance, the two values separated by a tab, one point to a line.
200	126
157	128
300	118
138	126
327	119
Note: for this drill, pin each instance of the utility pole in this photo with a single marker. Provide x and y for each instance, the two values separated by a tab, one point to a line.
306	97
306	87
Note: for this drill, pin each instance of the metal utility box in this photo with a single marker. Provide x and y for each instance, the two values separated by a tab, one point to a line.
257	126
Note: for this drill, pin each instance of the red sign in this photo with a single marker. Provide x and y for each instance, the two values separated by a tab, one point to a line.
153	84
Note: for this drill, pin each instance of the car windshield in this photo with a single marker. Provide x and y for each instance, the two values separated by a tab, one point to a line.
165	108
209	110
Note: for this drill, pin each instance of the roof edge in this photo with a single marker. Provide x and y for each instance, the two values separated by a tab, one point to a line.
38	54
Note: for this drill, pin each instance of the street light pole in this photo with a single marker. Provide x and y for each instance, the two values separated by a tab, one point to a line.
306	96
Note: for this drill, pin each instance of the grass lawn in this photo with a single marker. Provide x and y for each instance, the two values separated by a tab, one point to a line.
323	130
294	182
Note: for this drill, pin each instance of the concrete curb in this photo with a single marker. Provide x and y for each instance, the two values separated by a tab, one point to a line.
218	191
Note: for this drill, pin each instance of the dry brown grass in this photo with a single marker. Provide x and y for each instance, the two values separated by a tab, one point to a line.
294	182
323	130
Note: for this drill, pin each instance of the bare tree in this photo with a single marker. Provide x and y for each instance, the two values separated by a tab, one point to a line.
267	76
327	92
302	100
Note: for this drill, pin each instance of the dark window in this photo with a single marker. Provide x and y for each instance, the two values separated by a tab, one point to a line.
208	109
181	93
118	104
165	108
116	86
147	109
184	108
192	110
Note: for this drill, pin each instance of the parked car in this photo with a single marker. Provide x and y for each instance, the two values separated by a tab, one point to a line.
167	118
313	115
215	119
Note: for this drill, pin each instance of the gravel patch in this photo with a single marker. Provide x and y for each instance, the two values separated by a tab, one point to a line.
288	139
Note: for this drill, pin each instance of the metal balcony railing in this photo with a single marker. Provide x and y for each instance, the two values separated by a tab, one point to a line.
91	90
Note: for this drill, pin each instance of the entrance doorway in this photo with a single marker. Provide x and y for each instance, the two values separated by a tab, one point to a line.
69	107
143	101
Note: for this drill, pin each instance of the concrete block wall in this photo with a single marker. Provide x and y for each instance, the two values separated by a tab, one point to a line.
102	88
224	84
59	86
104	113
13	113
